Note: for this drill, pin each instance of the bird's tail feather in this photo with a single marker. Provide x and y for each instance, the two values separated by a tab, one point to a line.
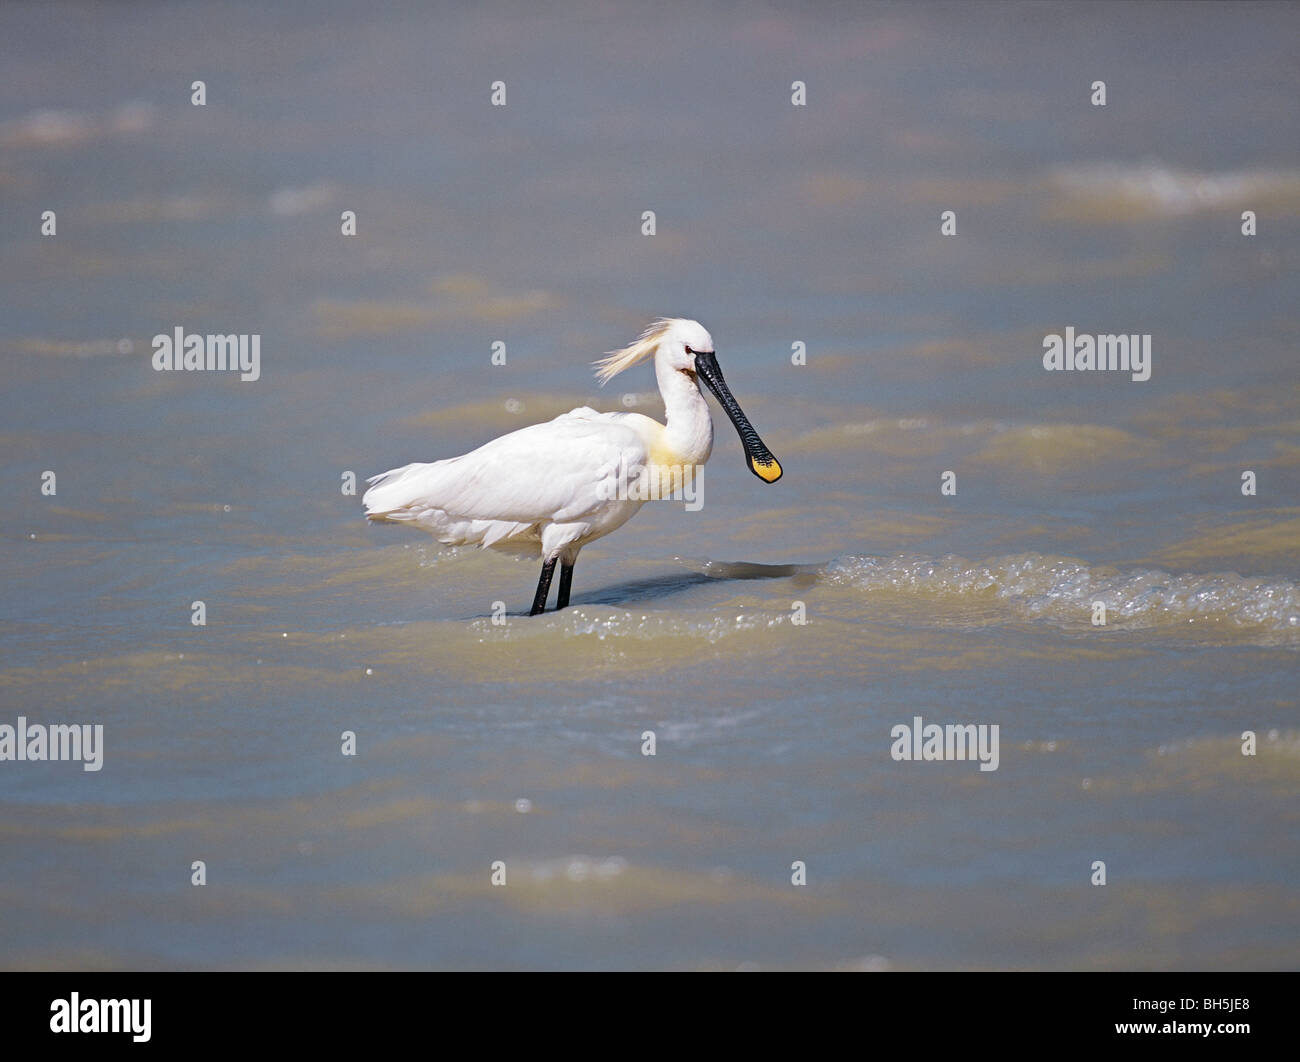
384	499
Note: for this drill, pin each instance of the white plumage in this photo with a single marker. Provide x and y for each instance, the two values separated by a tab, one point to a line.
538	485
549	489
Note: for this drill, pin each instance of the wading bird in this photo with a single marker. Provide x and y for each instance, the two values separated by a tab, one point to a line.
549	489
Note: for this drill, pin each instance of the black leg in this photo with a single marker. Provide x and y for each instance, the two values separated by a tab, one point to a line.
543	587
566	580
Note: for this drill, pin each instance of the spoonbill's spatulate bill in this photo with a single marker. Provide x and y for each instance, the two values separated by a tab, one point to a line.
549	489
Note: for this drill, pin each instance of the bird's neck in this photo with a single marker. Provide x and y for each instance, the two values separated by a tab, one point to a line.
688	432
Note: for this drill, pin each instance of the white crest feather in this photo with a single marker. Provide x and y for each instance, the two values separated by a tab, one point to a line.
615	361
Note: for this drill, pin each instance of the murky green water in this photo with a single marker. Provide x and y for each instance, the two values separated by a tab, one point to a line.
521	741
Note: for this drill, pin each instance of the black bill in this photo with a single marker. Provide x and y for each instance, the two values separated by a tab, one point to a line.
761	462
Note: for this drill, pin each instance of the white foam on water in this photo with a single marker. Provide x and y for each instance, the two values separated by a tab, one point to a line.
1063	590
603	623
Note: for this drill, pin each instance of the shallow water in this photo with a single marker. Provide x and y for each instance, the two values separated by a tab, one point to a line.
772	640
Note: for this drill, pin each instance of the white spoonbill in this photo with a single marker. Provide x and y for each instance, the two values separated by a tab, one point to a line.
549	489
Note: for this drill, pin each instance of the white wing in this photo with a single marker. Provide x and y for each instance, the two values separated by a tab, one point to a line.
561	471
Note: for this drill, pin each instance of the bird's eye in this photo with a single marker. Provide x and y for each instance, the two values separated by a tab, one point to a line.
689	350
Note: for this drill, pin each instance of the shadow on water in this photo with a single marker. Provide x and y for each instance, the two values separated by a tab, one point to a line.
640	589
805	574
707	571
620	595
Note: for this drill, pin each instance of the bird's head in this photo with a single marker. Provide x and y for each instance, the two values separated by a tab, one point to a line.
687	347
672	341
682	343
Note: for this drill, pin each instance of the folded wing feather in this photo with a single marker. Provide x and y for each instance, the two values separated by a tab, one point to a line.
500	494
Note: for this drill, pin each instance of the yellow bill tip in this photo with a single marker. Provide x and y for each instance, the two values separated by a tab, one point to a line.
767	471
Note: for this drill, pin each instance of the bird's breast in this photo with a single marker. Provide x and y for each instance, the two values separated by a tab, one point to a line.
673	467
